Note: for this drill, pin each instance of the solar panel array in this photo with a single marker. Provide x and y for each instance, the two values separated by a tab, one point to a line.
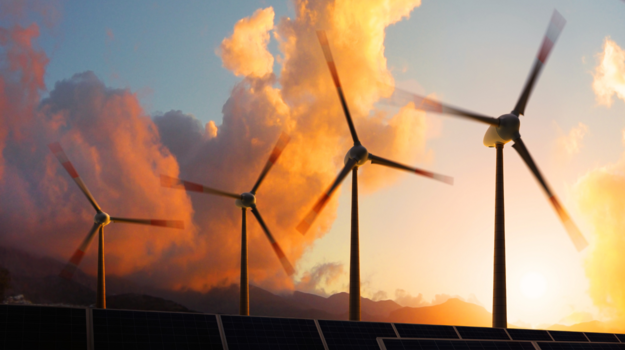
44	327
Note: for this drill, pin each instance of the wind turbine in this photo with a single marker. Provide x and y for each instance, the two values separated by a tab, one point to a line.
358	155
244	201
501	131
101	219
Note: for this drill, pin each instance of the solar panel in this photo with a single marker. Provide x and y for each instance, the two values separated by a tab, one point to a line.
528	334
621	337
425	331
602	337
580	346
568	336
355	335
41	327
121	329
419	344
245	332
482	333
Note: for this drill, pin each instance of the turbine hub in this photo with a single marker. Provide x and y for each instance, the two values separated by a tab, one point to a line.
102	218
358	153
247	200
508	130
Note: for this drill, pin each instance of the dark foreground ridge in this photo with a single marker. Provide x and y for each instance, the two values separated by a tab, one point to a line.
53	327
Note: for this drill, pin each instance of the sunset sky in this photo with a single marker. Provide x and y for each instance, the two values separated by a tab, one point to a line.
202	91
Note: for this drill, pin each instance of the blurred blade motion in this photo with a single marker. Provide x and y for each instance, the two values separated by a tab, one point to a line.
400	98
74	261
553	32
574	233
325	46
178	224
172	182
389	163
59	153
305	224
276	248
283	140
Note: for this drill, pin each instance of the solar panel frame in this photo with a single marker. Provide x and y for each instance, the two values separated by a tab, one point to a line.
566	336
252	332
361	335
453	344
529	334
580	346
409	330
482	333
620	337
601	337
133	329
43	327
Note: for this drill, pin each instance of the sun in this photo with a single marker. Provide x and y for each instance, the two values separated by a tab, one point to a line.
533	285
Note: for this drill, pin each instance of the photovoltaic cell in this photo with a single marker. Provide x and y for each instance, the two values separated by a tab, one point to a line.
346	335
41	327
419	344
568	336
425	331
621	337
529	334
580	346
482	333
121	329
602	337
246	332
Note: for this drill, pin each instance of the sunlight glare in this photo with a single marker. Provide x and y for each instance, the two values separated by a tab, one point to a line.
533	285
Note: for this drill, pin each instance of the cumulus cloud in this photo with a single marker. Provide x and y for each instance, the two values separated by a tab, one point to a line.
120	151
322	279
570	144
609	75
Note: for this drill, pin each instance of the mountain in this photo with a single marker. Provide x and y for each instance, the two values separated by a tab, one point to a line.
452	312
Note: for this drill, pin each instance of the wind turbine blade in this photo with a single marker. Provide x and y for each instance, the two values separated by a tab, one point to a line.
172	182
58	152
276	248
576	236
72	264
305	224
325	45
162	223
389	163
553	32
400	98
283	140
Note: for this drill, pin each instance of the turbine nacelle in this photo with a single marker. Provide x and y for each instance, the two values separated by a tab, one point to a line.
102	218
506	131
358	153
247	200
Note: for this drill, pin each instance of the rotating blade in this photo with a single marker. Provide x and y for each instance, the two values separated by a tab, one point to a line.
58	152
400	98
389	163
276	248
178	224
283	140
553	32
325	45
576	236
305	224
69	269
172	182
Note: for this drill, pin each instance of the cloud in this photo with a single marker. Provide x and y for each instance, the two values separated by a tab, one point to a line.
609	75
120	151
322	279
570	144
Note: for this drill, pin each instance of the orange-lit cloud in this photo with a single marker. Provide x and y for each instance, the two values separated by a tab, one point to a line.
609	75
599	194
120	152
570	144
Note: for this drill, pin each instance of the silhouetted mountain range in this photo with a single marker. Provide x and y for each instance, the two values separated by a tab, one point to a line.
37	279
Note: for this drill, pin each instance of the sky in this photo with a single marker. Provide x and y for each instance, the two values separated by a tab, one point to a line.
202	90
